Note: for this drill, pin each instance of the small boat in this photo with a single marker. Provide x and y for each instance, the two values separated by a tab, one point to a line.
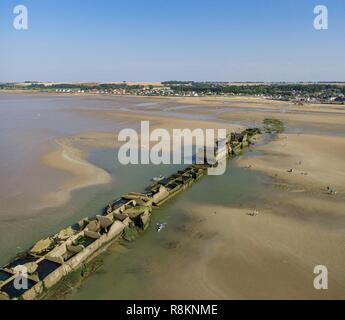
161	226
159	178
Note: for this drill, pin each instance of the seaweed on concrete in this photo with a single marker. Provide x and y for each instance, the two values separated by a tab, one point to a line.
273	125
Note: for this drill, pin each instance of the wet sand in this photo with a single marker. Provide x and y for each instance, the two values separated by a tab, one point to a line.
84	174
70	158
46	141
316	161
228	254
298	226
268	256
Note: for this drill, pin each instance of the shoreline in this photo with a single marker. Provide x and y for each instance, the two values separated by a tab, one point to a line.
126	218
71	159
300	220
217	99
83	173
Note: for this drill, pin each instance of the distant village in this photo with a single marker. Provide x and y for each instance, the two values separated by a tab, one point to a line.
298	93
143	91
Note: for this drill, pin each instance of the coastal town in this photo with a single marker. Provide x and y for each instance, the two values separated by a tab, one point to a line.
298	93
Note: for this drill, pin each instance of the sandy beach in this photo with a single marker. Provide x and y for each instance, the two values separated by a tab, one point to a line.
228	253
315	161
72	160
272	255
268	256
308	155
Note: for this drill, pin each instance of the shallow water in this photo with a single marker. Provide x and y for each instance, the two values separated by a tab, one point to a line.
29	124
28	127
133	271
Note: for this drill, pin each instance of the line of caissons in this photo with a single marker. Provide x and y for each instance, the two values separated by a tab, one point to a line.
30	275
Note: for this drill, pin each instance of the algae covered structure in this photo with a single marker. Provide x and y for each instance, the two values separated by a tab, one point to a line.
72	252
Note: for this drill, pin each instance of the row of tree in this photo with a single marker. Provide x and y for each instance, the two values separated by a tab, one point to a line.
255	89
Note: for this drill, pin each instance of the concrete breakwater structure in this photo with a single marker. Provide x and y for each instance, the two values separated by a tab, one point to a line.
53	259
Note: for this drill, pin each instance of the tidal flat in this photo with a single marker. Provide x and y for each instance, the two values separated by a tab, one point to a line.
212	246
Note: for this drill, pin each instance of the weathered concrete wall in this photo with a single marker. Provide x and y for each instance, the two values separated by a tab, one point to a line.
120	220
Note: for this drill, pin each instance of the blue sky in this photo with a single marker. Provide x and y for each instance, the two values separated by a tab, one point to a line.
156	40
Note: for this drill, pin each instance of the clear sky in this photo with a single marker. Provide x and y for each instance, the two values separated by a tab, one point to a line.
156	40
